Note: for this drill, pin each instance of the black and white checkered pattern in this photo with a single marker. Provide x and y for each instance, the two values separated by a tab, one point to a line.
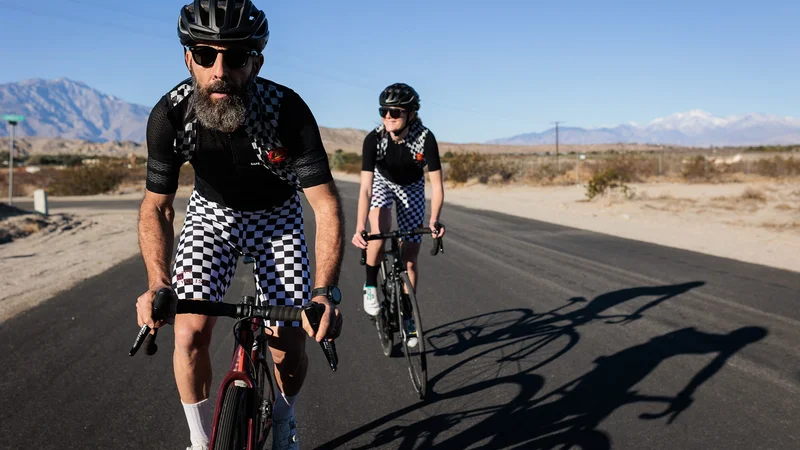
410	201
179	93
186	139
212	238
261	125
414	141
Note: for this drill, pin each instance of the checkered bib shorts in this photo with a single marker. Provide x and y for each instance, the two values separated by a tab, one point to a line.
410	200
213	237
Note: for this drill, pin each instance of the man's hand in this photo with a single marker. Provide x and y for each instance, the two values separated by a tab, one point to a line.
358	240
144	309
432	225
330	324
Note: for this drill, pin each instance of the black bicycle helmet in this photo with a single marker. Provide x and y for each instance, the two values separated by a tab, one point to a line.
223	22
400	95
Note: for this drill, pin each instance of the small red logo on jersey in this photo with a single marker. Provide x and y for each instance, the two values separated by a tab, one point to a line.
419	157
277	155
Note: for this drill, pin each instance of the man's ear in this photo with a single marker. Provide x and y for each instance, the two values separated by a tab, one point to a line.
187	59
258	61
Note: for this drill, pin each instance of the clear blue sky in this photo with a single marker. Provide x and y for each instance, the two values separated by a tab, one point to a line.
483	69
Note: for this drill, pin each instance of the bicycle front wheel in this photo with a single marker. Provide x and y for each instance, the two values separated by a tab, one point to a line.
231	433
417	362
383	321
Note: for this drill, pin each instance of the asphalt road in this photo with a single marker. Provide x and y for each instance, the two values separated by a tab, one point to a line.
539	336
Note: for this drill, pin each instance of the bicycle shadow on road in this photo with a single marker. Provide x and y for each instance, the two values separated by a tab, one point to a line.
520	341
516	325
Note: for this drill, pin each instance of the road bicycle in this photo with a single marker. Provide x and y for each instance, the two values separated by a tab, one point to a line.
243	415
396	309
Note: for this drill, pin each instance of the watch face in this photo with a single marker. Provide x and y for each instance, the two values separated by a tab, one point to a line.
336	295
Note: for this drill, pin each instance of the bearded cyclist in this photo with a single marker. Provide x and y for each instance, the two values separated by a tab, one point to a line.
392	172
254	145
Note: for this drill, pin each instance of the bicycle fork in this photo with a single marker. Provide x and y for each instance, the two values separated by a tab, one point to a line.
239	376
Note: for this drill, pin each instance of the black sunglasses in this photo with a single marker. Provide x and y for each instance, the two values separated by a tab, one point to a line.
235	58
393	112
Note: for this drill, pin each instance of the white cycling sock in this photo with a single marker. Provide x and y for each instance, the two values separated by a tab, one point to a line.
284	407
198	415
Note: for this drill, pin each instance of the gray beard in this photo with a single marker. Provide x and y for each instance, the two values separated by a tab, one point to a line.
225	114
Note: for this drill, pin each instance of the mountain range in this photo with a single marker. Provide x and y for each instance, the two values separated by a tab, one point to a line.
70	109
694	128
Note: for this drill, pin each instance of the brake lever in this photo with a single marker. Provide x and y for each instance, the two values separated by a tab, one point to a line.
314	312
438	243
364	235
164	304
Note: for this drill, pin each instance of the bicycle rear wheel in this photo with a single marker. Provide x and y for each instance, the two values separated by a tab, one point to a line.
417	361
232	427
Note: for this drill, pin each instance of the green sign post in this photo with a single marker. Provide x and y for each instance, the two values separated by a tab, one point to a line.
13	120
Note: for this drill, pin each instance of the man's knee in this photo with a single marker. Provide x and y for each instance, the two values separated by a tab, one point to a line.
289	349
192	336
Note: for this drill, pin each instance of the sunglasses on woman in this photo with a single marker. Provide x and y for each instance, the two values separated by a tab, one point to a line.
393	112
234	58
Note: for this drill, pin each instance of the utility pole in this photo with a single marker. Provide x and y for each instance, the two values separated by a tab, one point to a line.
12	120
558	165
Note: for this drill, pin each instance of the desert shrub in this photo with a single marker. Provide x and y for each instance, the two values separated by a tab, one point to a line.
698	168
86	180
55	160
753	194
347	162
464	166
607	180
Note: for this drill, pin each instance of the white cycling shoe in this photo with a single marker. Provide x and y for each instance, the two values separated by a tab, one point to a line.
371	305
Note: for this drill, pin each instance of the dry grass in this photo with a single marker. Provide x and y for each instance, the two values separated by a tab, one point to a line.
630	167
786	226
753	194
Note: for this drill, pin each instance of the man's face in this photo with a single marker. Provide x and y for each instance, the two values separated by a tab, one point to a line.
222	77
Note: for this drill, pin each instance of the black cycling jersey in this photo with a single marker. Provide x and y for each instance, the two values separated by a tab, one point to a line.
277	152
404	163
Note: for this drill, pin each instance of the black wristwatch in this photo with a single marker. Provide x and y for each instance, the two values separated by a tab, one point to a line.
333	294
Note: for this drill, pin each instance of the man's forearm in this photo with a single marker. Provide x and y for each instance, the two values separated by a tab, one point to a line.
329	246
156	238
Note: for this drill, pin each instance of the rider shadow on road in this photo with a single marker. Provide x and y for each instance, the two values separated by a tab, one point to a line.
567	416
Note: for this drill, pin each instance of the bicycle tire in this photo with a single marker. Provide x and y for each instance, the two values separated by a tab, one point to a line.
385	335
415	356
232	428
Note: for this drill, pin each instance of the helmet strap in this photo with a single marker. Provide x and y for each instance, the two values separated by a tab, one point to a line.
405	125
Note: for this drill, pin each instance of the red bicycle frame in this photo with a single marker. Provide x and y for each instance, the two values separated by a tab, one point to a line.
240	372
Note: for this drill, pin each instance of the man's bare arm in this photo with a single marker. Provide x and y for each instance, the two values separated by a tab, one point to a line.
157	236
329	246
